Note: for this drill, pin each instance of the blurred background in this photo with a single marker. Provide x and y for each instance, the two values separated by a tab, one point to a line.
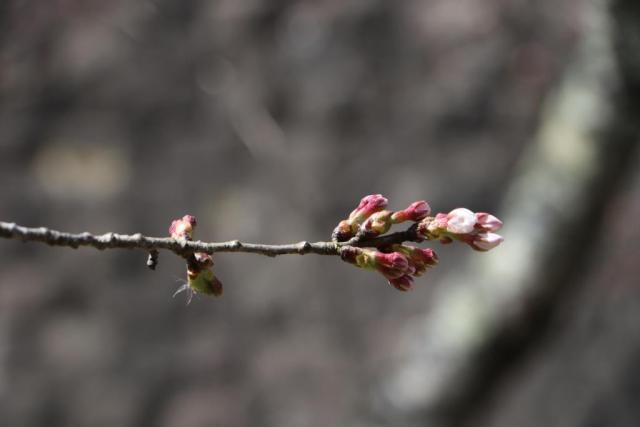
269	120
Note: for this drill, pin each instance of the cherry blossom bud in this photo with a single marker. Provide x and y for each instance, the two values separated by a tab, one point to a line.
416	211
377	224
411	270
183	228
460	221
342	232
200	277
400	263
423	259
402	283
368	205
420	259
431	228
439	222
487	222
204	282
391	265
423	228
393	260
216	287
484	241
427	256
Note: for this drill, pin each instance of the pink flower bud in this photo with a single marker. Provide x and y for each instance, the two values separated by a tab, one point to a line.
368	205
432	228
484	241
377	224
392	265
427	256
460	221
392	260
487	222
391	273
439	222
190	219
402	283
183	228
412	270
416	211
420	259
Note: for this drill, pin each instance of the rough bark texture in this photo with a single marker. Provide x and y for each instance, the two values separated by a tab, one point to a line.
183	247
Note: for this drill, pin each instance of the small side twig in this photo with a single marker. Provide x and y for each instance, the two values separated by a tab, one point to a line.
152	261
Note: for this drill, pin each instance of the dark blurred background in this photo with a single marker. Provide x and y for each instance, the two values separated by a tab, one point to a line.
269	120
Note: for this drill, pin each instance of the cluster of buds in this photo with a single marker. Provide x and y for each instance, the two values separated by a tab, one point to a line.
399	267
475	229
200	277
400	263
360	240
371	219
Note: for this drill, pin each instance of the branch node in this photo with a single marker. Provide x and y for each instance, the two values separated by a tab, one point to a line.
304	247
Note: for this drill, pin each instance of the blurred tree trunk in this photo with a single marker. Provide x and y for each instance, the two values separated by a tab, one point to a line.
496	314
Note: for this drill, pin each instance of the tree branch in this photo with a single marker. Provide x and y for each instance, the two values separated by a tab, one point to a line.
185	248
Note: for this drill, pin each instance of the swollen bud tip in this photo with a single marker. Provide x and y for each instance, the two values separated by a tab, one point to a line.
475	229
183	228
200	277
400	263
